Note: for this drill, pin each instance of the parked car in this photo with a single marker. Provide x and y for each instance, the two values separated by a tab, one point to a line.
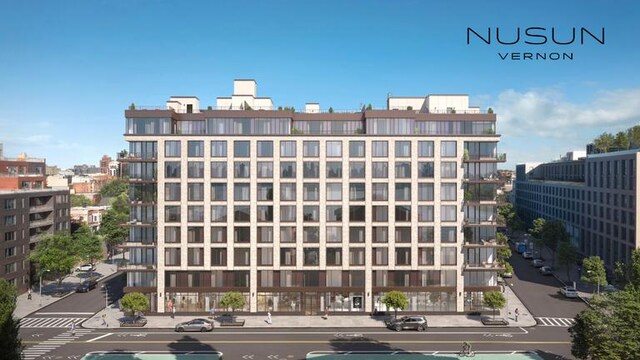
537	263
506	275
569	292
527	255
408	322
87	286
610	288
201	325
86	267
546	270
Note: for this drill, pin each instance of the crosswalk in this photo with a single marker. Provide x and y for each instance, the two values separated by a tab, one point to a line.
50	322
43	348
553	321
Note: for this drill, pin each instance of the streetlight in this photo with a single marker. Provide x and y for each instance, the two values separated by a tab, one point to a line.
41	272
106	296
591	272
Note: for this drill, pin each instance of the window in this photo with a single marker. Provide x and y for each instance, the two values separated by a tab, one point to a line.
265	169
356	256
172	213
334	212
10	252
288	191
265	149
334	148
356	192
241	192
241	149
334	170
265	256
356	213
356	169
288	234
448	212
448	256
195	256
448	192
311	191
425	213
448	170
403	213
311	213
172	169
9	236
241	257
218	149
195	148
195	191
380	213
241	169
172	256
195	169
425	256
9	204
425	191
311	148
334	234
172	148
241	213
218	169
356	234
287	149
195	213
356	148
310	234
380	191
380	170
425	148
380	234
288	213
265	191
287	257
403	256
334	258
311	256
218	234
425	234
448	234
288	170
264	234
218	257
334	191
425	169
403	148
403	169
380	148
403	234
172	191
403	191
311	170
218	191
218	213
264	213
380	256
241	234
448	149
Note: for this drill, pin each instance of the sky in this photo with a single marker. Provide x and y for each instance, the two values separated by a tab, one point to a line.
68	69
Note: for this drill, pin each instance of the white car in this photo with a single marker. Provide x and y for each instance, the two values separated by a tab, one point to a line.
569	292
86	267
527	255
537	263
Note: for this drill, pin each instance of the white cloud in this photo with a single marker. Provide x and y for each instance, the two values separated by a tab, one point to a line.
547	113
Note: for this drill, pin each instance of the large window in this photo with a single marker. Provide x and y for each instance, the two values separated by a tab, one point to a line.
403	256
288	191
218	191
288	213
425	191
425	213
195	148
356	234
195	213
288	234
219	213
241	234
403	191
195	234
311	234
426	234
380	191
219	234
380	213
334	212
380	169
311	170
356	149
265	169
218	169
241	257
334	169
288	170
448	256
311	256
425	169
403	148
287	149
380	148
448	170
403	170
334	258
264	213
241	213
241	149
265	149
356	213
287	257
195	169
311	148
172	169
241	192
311	213
403	234
172	148
356	191
334	191
448	149
172	213
425	256
334	234
356	256
311	191
425	148
195	191
265	234
334	148
380	256
219	148
403	213
356	169
448	191
448	234
448	213
241	169
172	234
172	191
380	234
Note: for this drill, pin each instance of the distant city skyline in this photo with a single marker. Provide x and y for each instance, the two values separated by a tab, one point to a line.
70	68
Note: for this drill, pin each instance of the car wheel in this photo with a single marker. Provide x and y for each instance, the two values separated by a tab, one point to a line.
398	328
179	329
422	328
204	329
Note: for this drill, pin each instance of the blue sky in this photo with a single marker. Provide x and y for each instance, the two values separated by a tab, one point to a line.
68	69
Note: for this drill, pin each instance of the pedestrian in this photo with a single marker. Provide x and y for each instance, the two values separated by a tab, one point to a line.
269	317
173	312
73	328
29	294
104	321
516	312
212	313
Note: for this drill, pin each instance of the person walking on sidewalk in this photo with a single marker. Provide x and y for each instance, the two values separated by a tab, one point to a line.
516	312
269	318
29	294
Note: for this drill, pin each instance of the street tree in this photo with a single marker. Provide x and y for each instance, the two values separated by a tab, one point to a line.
113	228
593	271
554	233
494	300
134	302
57	254
396	300
633	270
10	342
536	228
88	244
232	300
114	188
80	201
567	256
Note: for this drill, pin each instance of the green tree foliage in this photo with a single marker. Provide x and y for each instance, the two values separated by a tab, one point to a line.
396	300
134	302
503	253
621	141
80	200
494	300
567	256
604	142
113	228
10	343
56	253
88	244
330	110
501	238
634	136
507	269
369	107
507	215
114	188
536	228
232	300
634	269
609	328
123	153
554	233
120	204
593	271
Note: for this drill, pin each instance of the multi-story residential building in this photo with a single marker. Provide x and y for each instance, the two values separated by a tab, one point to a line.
104	164
25	215
593	195
309	211
22	172
88	215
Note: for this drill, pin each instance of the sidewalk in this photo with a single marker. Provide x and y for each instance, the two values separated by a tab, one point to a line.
113	315
24	306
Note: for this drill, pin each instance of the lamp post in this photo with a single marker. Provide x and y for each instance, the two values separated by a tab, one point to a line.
598	278
106	296
41	272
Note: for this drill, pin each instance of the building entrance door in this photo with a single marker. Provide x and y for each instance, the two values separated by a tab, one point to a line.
311	303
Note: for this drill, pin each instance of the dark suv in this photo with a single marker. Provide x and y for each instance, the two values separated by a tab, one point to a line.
408	322
87	286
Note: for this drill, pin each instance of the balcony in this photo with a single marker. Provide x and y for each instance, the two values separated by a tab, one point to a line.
491	243
135	157
471	197
125	265
499	157
40	223
484	266
486	178
40	208
480	222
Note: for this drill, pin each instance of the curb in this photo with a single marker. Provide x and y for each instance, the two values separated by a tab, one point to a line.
565	284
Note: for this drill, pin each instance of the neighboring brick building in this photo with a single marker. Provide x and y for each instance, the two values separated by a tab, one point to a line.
22	173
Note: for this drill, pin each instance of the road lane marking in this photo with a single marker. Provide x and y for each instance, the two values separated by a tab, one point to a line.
373	341
99	337
392	333
557	322
64	313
